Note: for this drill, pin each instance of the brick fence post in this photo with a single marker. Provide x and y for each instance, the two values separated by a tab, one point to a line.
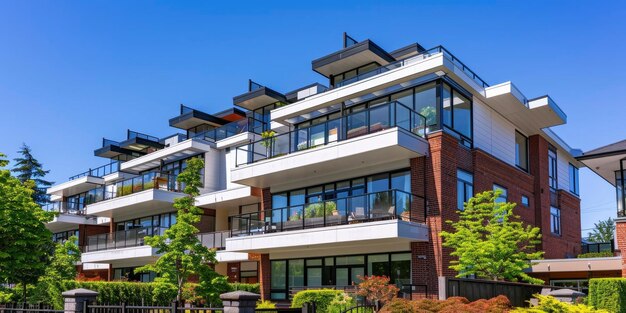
75	299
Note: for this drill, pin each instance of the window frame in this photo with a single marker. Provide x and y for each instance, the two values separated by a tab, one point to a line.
574	179
466	183
553	171
517	154
555	221
505	192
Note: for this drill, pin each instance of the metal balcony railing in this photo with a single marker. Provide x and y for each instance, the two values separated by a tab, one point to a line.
371	120
63	207
99	171
215	240
121	239
374	206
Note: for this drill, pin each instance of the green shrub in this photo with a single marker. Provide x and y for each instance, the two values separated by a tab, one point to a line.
6	296
321	297
608	294
551	304
265	305
256	288
604	254
341	303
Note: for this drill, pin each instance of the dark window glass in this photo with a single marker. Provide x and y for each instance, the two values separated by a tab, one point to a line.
552	168
462	115
279	200
447	106
555	220
426	102
525	201
573	179
503	193
464	188
521	151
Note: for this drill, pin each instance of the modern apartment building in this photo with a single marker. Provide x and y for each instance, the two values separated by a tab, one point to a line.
353	177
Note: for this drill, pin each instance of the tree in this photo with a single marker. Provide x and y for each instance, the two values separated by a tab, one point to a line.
182	252
602	231
62	267
491	242
25	243
28	168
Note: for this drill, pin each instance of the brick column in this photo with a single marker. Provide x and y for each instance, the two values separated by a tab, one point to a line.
264	275
538	152
266	201
620	238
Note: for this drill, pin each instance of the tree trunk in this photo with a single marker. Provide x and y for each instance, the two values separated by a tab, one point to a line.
23	291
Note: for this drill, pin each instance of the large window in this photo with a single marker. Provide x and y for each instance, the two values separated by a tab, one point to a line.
555	220
64	236
552	168
503	193
456	112
128	274
165	220
521	151
464	188
573	179
339	271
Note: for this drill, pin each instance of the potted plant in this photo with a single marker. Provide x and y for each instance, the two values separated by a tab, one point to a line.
268	141
406	214
295	217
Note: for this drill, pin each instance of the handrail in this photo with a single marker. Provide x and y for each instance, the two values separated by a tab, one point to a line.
378	118
412	59
150	180
249	124
373	206
99	171
214	240
109	142
65	207
122	239
133	134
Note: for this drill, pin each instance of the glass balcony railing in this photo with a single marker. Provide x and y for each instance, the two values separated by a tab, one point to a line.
69	207
121	239
215	240
249	124
408	61
100	171
374	206
147	181
378	118
133	134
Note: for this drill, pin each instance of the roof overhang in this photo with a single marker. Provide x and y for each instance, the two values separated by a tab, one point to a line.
140	144
111	151
529	115
75	186
605	164
359	54
194	118
576	265
179	151
229	198
258	98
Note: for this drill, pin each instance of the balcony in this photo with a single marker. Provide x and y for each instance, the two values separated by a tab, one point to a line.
69	215
139	142
377	217
387	133
408	72
246	125
148	193
181	150
121	239
353	56
100	171
125	247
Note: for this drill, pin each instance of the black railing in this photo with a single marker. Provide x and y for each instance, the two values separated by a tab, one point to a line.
375	206
185	109
99	171
364	308
28	308
248	124
121	239
63	207
133	134
215	240
381	117
123	308
596	247
408	61
411	292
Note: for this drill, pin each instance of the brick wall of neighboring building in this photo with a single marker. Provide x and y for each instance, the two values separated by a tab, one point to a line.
568	244
538	163
620	235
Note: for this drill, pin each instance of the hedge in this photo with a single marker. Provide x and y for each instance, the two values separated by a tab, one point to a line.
321	297
131	293
608	294
604	254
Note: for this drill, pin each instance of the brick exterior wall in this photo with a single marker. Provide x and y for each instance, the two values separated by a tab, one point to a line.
435	176
620	236
264	274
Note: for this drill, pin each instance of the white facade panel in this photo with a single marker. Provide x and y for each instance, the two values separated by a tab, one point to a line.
493	133
562	166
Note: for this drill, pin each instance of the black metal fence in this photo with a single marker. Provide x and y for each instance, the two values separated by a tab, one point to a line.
598	247
474	289
27	308
174	308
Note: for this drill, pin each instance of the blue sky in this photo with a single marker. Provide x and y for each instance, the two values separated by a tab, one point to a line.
74	72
